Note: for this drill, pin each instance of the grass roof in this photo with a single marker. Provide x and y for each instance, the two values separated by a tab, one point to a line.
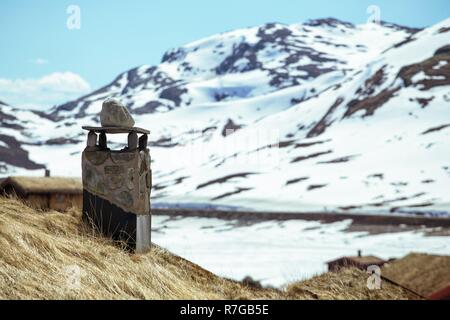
422	273
39	247
28	185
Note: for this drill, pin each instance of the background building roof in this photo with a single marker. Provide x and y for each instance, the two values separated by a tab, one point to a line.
361	260
28	185
423	273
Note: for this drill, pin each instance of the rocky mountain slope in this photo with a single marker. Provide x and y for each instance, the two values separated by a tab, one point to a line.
324	115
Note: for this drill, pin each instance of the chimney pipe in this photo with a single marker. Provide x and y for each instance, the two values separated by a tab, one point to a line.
47	172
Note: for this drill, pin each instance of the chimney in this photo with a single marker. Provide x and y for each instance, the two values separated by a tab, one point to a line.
47	172
359	253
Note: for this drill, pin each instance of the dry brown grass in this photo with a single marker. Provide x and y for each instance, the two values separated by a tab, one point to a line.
422	273
347	284
37	247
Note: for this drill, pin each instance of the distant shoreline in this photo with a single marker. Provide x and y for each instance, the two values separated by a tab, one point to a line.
371	223
359	219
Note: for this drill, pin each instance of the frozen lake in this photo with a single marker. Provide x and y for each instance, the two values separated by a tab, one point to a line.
279	252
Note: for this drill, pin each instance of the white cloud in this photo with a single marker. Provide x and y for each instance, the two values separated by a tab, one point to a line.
54	88
39	61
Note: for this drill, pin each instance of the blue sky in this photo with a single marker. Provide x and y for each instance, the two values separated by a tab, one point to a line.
40	55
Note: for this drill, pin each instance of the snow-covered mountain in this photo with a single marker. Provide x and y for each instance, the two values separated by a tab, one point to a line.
324	115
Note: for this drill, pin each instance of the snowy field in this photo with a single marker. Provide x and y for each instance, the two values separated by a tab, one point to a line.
279	252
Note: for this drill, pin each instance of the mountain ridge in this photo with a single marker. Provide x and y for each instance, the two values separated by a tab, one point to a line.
327	87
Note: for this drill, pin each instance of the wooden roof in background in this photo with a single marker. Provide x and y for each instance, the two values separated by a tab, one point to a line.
422	273
361	260
27	185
